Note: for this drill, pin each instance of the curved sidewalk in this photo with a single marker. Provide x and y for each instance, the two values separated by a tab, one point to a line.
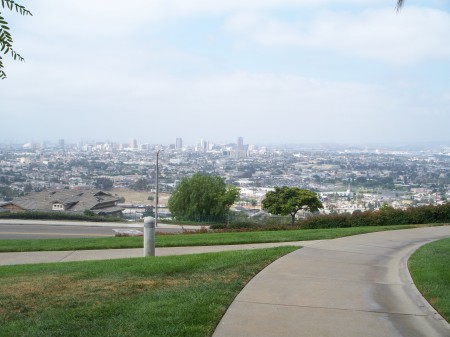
356	286
107	254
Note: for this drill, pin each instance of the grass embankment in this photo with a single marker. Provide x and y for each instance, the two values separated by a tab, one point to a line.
183	240
165	296
430	270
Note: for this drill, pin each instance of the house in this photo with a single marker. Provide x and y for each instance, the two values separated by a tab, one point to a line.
72	201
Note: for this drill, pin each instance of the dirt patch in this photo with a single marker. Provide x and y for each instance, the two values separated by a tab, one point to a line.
139	197
27	296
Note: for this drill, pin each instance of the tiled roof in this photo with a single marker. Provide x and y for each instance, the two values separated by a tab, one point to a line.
73	201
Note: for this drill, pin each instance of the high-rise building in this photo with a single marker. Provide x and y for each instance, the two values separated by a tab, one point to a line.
241	150
133	144
204	144
240	144
61	144
178	143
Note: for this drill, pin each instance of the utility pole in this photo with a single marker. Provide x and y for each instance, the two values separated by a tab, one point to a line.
157	188
150	223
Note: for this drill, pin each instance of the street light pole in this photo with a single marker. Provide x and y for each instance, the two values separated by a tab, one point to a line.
157	188
149	223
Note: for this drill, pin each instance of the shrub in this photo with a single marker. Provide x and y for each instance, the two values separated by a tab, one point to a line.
384	217
58	216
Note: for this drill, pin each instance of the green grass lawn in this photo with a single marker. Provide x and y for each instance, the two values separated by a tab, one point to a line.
430	270
183	240
163	296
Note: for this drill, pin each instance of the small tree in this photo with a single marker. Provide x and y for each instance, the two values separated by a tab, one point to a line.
289	200
202	195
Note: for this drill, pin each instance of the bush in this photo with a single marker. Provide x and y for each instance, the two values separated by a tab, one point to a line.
58	216
89	213
384	217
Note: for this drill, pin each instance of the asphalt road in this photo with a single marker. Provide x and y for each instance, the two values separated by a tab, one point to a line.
46	231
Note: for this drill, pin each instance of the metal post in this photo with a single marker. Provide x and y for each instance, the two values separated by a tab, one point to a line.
157	189
149	236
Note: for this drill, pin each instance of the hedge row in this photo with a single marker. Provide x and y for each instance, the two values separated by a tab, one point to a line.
58	216
388	216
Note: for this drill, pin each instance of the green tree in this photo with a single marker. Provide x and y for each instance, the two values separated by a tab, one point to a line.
202	195
289	200
141	184
7	193
28	188
104	183
6	41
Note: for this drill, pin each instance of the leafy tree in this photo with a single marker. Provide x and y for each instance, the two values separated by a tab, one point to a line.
202	195
104	183
289	200
7	193
6	41
28	188
141	184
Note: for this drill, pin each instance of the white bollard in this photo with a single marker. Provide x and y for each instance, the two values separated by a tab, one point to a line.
149	236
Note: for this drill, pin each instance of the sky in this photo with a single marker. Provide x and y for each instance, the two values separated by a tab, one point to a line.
271	71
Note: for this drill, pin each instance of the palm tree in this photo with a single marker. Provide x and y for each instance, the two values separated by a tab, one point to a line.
400	4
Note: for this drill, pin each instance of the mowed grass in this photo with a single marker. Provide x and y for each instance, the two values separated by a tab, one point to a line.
183	240
163	296
430	270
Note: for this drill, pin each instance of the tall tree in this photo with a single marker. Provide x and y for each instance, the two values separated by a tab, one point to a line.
6	41
141	184
289	200
202	195
400	4
104	183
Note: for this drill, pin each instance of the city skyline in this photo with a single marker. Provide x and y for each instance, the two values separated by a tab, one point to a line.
206	145
332	71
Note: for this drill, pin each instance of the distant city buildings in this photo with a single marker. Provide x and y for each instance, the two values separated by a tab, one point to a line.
399	178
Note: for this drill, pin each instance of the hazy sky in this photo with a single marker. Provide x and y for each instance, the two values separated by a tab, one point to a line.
296	71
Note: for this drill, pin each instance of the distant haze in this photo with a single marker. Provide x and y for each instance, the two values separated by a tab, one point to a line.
300	71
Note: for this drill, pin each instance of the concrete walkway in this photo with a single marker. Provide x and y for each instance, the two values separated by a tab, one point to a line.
130	224
357	286
106	254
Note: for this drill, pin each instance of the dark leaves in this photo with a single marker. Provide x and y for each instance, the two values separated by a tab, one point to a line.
6	41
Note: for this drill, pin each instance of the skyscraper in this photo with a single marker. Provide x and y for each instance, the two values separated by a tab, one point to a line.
204	144
133	144
240	144
241	151
178	143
